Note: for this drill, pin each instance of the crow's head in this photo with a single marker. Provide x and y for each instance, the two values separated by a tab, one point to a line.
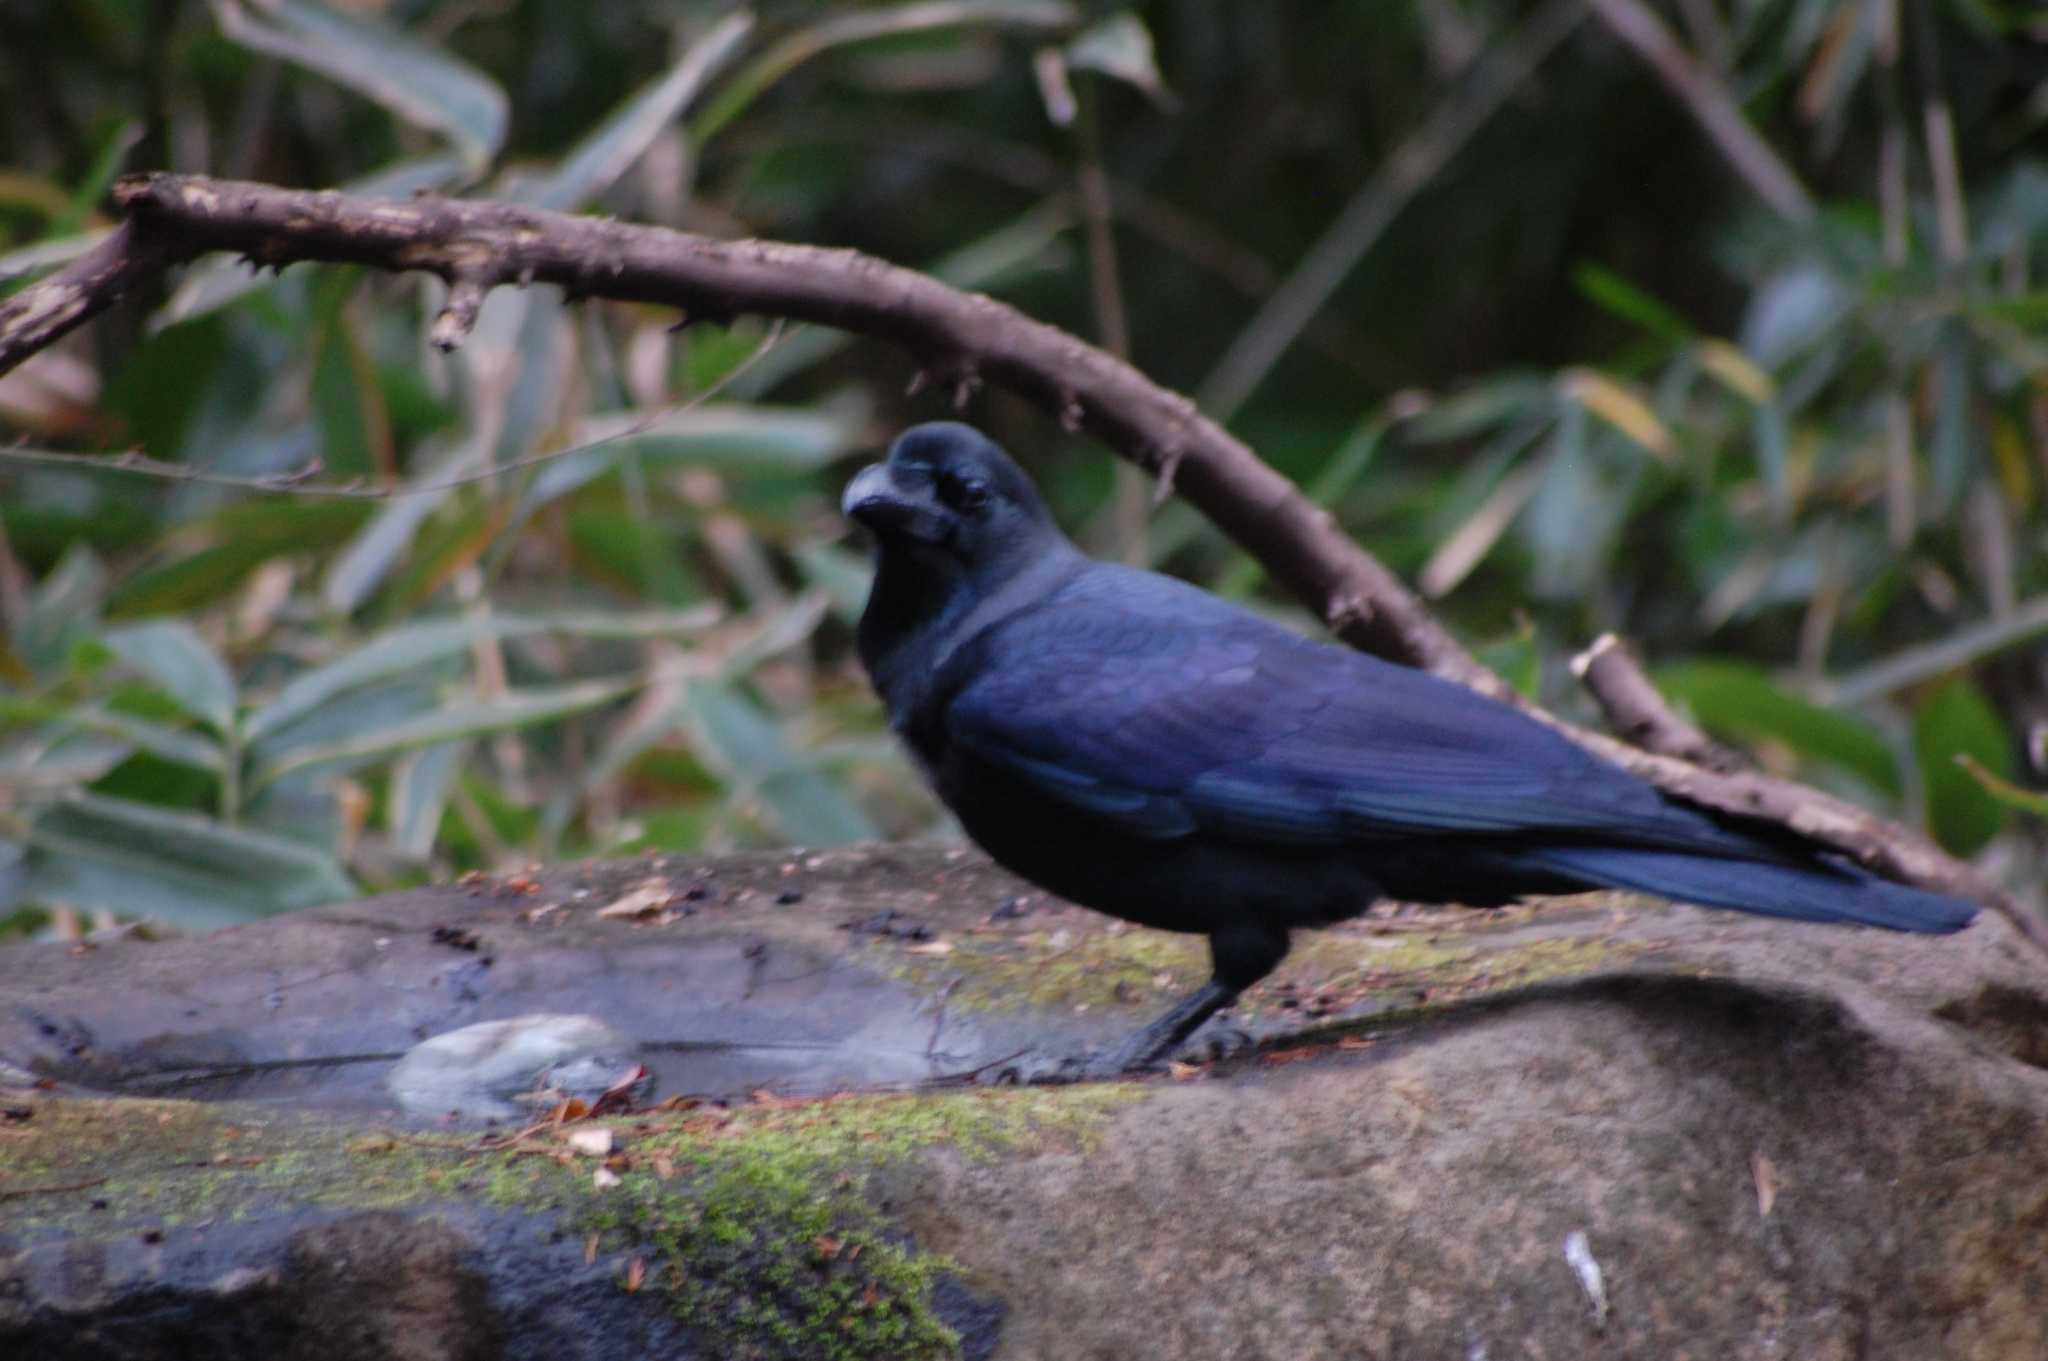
949	498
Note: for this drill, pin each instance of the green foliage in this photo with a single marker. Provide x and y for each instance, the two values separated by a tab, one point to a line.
1957	723
1579	381
1739	703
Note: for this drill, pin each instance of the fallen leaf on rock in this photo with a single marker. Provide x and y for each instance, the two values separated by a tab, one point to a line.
590	1249
933	947
619	1096
1185	1072
1277	1057
636	1274
642	900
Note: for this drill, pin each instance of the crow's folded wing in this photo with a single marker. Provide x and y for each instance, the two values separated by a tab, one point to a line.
1170	716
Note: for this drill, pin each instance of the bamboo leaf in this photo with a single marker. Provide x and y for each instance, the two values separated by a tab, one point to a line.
141	860
1736	371
412	647
1740	703
1121	47
599	159
1614	402
738	439
473	718
1955	722
422	84
736	737
421	783
173	655
159	739
1614	294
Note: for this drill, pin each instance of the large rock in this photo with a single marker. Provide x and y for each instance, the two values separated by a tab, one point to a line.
1758	1139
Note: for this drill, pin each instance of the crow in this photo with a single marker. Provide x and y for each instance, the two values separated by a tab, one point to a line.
1141	747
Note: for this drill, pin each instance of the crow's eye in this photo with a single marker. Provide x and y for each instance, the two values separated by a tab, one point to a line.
965	494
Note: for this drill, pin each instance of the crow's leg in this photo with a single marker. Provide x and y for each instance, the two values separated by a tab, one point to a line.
1240	956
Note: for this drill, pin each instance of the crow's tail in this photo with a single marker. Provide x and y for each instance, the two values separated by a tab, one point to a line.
1824	890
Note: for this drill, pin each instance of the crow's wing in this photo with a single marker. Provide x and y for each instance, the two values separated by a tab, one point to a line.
1164	711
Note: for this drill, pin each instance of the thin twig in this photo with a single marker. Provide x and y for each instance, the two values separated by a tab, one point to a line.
1201	243
1130	500
1711	105
1951	220
1929	660
1638	711
1496	75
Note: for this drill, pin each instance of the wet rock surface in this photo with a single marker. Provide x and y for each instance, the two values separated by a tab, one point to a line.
1772	1140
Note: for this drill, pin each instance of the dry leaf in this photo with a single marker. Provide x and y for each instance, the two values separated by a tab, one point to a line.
590	1250
636	1274
642	900
933	947
664	1165
1766	1174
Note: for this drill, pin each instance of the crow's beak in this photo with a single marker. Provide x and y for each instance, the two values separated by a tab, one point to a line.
875	499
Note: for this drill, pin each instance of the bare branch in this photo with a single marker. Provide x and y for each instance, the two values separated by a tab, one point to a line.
42	312
960	340
1636	710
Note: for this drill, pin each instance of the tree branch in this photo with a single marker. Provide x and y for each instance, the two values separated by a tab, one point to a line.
1638	713
959	340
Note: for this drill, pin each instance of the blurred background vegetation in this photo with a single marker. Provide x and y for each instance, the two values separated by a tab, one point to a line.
1719	323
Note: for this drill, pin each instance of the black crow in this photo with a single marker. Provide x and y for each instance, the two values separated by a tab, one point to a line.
1146	749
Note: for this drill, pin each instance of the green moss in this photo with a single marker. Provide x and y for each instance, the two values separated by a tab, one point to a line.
761	1223
1112	967
164	1163
772	1260
766	1230
1054	969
